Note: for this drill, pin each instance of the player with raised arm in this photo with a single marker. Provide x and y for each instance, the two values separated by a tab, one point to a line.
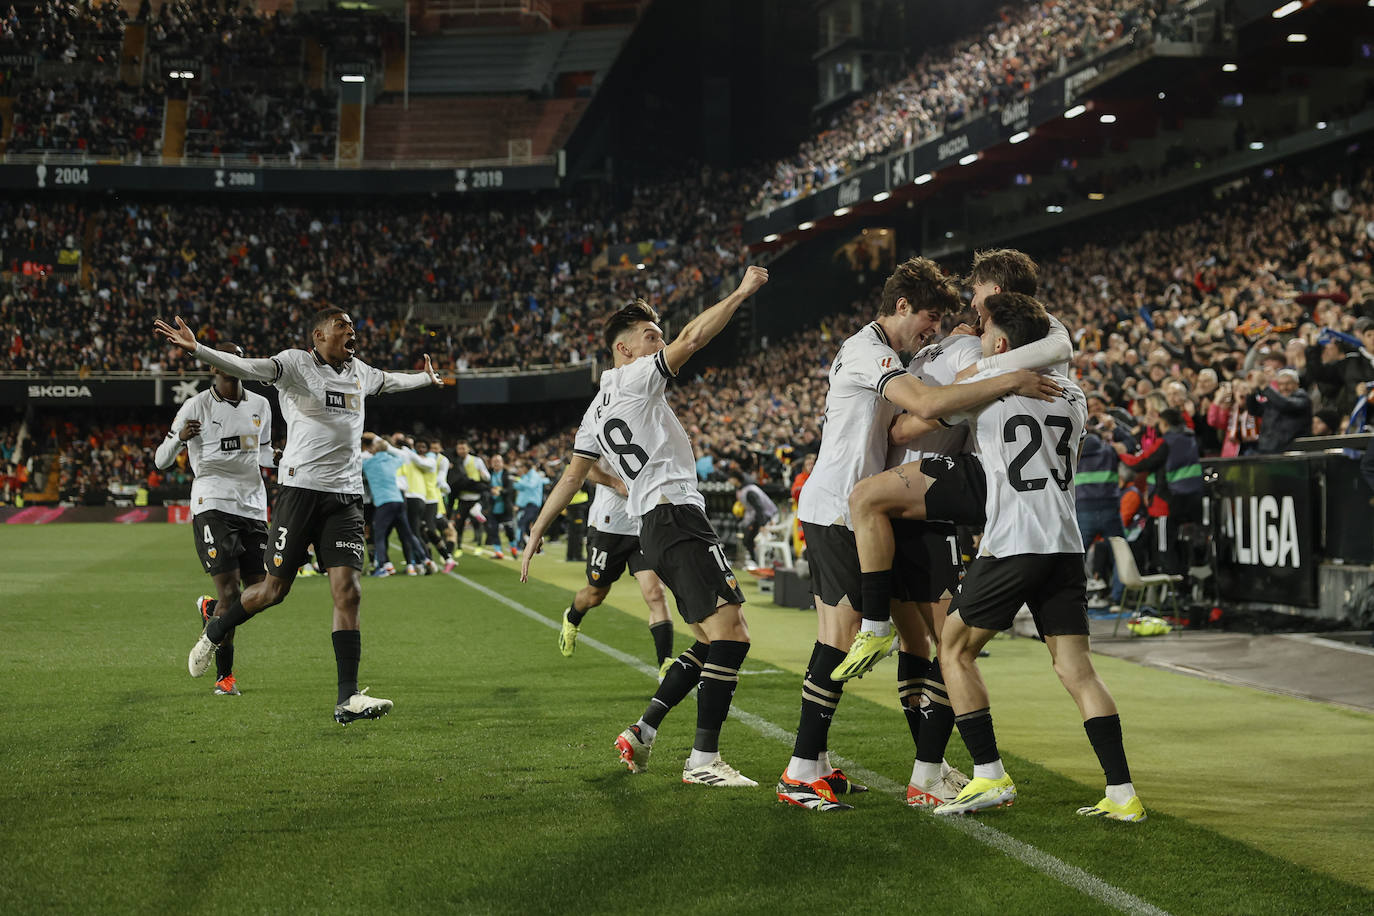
630	423
930	486
1031	553
868	384
322	391
612	545
904	520
227	433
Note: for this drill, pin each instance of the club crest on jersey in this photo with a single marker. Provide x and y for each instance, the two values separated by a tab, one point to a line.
276	559
341	400
732	581
212	552
596	576
257	419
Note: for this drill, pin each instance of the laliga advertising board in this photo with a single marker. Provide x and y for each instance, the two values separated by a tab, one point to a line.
1265	523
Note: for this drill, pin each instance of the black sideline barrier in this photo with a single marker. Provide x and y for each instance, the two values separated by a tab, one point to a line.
1278	519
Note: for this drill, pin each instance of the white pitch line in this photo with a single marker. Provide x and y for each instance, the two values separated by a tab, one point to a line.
1069	875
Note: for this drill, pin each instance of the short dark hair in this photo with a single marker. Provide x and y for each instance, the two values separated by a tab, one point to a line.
923	285
1022	318
323	317
229	346
1172	416
1012	270
626	318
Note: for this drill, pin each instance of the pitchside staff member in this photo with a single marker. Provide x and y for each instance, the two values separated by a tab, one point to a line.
612	545
321	499
630	423
227	434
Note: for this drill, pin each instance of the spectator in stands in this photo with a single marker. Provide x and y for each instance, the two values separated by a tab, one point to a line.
1285	412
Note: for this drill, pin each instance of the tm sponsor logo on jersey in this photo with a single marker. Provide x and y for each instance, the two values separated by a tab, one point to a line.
1263	531
341	400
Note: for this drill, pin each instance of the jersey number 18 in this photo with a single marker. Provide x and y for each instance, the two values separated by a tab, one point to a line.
615	437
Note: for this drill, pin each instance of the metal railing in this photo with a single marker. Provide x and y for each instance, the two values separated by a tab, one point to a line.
67	158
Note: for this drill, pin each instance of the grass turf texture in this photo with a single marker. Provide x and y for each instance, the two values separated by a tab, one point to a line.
492	787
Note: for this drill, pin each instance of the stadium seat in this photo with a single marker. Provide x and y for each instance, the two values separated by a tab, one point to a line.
1138	586
777	536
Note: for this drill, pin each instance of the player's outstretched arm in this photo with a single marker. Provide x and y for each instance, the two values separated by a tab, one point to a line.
559	498
406	381
258	370
1054	348
931	401
703	328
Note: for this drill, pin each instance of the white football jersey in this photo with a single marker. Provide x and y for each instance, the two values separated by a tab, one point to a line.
939	364
630	423
323	409
1029	450
235	441
610	512
854	438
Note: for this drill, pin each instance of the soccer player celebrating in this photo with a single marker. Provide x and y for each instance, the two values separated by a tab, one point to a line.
1031	553
613	544
323	391
935	476
630	423
868	383
227	495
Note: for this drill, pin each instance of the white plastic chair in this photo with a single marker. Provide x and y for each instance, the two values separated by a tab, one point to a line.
1138	586
777	535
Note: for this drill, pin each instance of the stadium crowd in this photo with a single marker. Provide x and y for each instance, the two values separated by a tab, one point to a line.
244	100
948	85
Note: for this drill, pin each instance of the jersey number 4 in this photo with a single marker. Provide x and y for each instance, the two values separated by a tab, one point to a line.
615	437
1011	434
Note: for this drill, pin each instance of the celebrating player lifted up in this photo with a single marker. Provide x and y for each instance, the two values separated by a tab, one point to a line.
868	383
321	501
630	423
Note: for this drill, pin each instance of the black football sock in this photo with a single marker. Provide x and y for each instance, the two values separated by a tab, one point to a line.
224	660
719	678
876	594
911	674
682	676
662	632
820	698
937	717
574	615
976	729
1105	734
348	651
220	625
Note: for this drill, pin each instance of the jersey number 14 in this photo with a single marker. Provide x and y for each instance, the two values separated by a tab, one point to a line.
1011	434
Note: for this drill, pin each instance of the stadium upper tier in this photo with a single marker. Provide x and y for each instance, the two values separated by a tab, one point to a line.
1022	46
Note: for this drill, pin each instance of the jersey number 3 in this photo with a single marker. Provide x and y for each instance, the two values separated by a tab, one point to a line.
615	437
1011	434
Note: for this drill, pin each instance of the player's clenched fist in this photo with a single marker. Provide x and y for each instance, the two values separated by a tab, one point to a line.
754	277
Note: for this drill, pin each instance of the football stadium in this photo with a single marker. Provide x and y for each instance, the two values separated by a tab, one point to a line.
904	455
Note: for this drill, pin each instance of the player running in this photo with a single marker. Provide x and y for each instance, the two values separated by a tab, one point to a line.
630	423
612	545
1031	552
868	383
227	433
323	392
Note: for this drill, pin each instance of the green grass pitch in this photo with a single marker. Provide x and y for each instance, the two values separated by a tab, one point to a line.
493	788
